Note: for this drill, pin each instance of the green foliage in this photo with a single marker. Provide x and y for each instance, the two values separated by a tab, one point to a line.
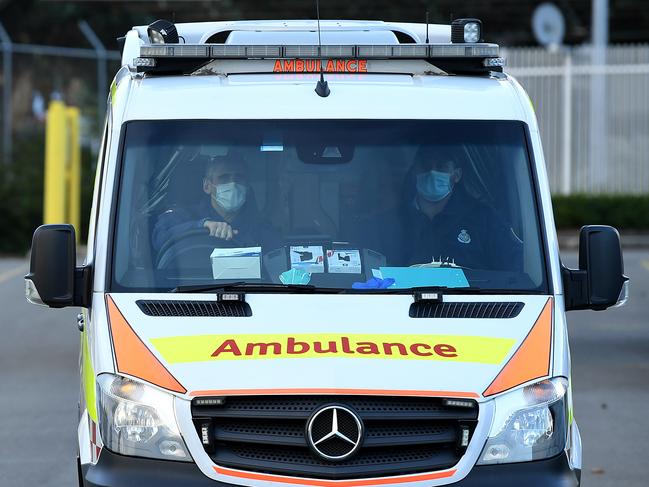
21	200
629	212
21	194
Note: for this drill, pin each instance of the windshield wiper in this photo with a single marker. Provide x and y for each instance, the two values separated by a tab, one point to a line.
466	290
245	286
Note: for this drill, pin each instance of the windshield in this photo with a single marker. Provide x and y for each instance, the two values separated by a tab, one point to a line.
345	204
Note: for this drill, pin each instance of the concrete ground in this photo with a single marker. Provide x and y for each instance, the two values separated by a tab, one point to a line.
610	371
39	385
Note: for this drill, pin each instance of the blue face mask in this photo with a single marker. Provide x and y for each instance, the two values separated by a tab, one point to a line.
230	196
434	185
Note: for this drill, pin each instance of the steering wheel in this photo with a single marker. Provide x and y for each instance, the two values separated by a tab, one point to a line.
190	248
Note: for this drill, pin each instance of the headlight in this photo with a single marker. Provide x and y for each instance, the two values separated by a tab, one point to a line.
529	424
137	419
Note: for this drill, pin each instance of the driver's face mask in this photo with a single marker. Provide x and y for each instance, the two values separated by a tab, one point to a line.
229	196
434	185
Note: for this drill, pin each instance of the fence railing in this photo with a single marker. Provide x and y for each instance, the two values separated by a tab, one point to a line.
10	50
592	107
593	113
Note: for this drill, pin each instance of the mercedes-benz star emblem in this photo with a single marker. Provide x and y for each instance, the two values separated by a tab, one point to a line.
334	432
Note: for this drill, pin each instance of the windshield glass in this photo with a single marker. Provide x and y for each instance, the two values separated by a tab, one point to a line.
345	204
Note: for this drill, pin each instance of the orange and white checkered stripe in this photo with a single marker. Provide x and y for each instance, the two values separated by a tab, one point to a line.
95	441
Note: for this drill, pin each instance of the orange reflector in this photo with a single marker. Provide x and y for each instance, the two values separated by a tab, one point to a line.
333	483
531	360
133	357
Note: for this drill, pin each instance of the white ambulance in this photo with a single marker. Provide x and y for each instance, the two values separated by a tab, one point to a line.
322	255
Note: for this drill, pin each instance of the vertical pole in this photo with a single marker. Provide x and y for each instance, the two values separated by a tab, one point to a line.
102	59
55	167
74	170
566	183
598	100
7	75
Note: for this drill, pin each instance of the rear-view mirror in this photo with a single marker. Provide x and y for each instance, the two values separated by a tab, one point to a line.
53	279
599	283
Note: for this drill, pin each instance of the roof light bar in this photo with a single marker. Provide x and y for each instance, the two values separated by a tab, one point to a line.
460	51
412	51
245	52
183	50
327	51
462	58
393	51
482	50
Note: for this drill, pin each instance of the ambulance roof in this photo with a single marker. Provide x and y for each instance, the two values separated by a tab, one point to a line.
365	96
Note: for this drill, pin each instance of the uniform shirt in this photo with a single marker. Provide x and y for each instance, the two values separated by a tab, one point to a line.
466	231
252	229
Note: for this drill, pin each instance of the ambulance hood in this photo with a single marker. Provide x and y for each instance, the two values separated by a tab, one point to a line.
297	343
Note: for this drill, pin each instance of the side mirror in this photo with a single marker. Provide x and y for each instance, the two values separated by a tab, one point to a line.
53	279
599	283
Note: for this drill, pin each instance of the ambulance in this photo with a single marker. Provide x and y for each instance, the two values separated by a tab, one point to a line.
322	254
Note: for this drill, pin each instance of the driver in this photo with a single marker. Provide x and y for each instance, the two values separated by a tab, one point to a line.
226	211
440	220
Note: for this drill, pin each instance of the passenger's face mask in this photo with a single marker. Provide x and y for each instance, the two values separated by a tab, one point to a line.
434	185
229	196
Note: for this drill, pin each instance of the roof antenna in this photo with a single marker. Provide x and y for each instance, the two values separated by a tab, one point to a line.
426	26
322	88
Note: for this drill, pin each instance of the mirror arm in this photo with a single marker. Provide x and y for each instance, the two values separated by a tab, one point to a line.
82	286
575	288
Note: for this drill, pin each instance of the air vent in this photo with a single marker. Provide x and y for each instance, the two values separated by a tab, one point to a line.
424	309
219	37
195	308
404	38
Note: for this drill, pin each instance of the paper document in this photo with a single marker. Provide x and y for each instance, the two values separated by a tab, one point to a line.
309	258
344	261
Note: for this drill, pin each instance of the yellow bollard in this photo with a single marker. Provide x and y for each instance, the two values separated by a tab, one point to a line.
55	168
74	171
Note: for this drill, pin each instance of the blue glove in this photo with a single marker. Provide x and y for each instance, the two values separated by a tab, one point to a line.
374	283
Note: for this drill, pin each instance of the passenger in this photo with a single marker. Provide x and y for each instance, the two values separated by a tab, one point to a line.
226	212
439	219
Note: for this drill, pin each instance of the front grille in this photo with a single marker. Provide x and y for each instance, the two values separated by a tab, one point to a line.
194	308
268	434
428	309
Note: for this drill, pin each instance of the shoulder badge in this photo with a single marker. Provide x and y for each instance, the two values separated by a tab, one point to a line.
464	237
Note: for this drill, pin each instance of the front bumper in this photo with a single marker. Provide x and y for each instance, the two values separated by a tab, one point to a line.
114	470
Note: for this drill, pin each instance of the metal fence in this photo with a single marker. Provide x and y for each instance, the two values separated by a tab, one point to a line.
593	113
34	74
592	106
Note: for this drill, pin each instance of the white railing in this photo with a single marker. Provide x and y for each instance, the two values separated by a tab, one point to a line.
593	113
592	108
